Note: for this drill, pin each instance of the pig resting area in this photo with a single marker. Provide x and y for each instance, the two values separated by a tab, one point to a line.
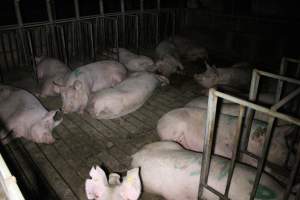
59	170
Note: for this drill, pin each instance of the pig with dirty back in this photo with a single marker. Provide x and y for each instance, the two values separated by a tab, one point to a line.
126	97
238	76
81	82
50	70
24	116
187	127
134	62
174	173
99	188
168	59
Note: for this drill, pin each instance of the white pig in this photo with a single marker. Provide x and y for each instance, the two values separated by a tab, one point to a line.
168	58
134	62
187	127
86	79
50	70
236	77
24	116
174	173
99	188
126	97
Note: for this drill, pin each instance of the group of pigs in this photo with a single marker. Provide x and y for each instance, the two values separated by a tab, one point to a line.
171	167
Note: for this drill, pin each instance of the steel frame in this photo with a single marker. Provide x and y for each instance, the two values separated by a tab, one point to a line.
214	95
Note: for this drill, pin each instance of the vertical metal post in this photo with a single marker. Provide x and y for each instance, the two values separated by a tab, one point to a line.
123	22
116	38
137	34
208	140
263	160
235	149
142	5
77	11
101	7
20	30
158	4
50	18
250	112
32	56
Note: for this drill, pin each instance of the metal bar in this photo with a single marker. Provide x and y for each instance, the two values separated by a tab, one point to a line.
52	27
123	22
259	108
1	74
137	34
262	161
18	13
250	112
208	140
11	51
220	195
158	4
66	60
101	7
279	77
235	149
292	60
286	99
142	5
32	56
293	175
2	44
77	11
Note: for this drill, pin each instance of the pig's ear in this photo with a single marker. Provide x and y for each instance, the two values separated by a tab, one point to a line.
53	115
77	85
96	186
211	68
114	179
131	185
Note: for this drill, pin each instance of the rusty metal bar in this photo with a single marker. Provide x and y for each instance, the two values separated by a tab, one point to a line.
235	149
208	140
293	175
286	99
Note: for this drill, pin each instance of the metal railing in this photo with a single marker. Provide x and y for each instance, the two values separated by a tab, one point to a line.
242	136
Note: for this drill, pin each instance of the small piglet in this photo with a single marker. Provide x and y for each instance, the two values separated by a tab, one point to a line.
168	58
126	97
134	62
187	127
50	70
174	173
24	116
238	76
86	79
99	188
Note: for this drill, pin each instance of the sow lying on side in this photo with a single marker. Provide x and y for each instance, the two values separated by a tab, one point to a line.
24	116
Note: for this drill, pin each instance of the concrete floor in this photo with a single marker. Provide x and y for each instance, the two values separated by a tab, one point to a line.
82	142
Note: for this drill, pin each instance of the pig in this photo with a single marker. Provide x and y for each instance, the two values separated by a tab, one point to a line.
236	77
24	116
99	188
126	97
174	173
50	70
89	78
168	59
187	127
135	62
188	51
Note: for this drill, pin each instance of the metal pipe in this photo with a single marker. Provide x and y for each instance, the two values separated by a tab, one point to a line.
142	5
279	77
2	44
101	7
286	99
262	161
208	140
235	149
18	13
77	11
259	108
32	56
158	4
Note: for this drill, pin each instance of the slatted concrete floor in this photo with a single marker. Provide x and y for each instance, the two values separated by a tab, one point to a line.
82	142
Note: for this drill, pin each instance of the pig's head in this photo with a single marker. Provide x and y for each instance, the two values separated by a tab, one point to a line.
41	131
209	78
100	189
74	97
168	65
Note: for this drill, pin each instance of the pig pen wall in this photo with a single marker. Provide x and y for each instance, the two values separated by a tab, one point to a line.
257	39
